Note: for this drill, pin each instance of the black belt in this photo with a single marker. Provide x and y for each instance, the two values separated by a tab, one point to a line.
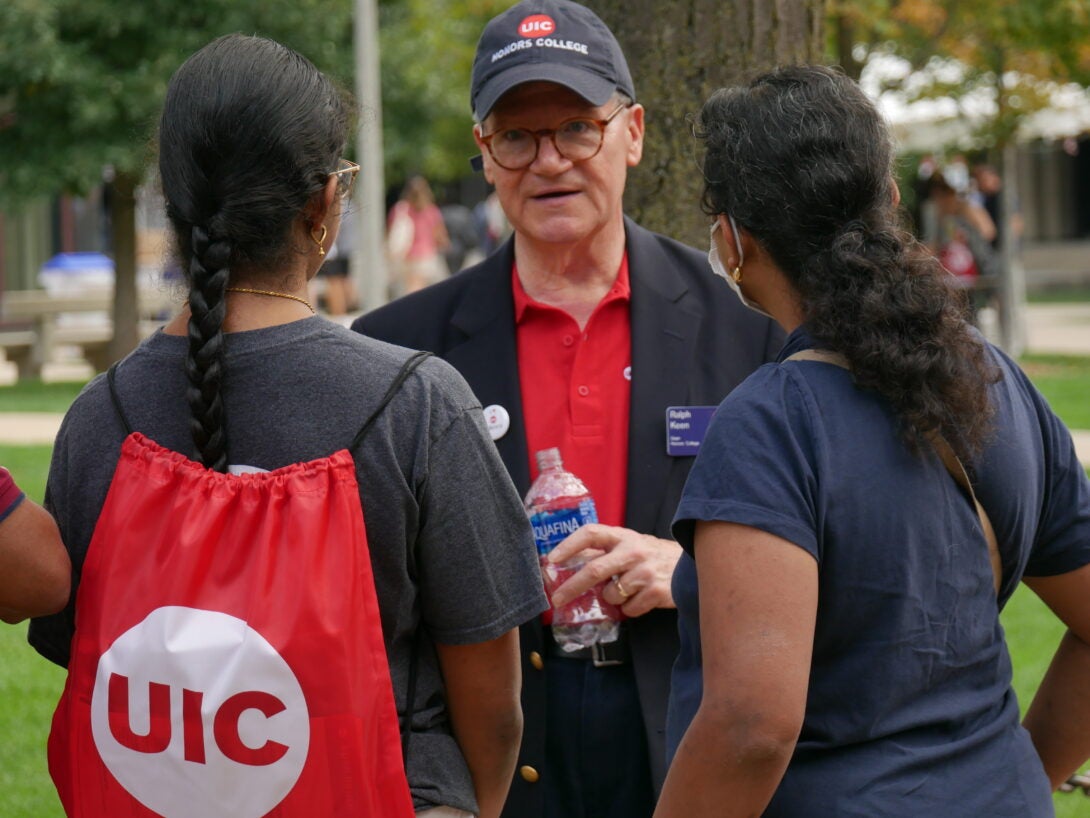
607	654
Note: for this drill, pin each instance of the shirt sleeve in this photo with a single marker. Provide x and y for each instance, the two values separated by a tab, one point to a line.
478	569
756	464
10	495
1063	535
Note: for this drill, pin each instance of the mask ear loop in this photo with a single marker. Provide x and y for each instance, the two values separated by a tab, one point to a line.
736	273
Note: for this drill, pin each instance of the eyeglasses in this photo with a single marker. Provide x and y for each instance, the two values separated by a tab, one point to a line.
347	173
577	140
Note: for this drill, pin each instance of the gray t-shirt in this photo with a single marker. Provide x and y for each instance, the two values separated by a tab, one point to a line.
449	541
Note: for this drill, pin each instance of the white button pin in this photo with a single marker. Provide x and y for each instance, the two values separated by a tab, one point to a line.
497	420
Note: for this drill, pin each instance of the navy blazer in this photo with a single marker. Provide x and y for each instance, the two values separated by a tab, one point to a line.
692	342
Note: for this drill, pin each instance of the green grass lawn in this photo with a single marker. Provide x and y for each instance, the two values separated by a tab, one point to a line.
1064	380
30	686
1059	295
29	465
35	396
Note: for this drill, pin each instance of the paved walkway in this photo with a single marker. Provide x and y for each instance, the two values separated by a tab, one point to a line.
1051	328
29	428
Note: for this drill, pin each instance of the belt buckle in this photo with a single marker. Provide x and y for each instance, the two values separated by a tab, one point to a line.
598	656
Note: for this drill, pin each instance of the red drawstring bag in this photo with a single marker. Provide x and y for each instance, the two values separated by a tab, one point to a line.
228	659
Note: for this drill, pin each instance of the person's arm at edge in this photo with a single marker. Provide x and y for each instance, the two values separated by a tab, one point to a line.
35	572
758	605
483	682
1058	718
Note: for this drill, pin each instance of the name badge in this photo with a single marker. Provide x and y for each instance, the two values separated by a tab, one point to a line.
685	429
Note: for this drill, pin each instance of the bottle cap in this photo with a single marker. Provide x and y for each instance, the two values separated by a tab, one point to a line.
548	458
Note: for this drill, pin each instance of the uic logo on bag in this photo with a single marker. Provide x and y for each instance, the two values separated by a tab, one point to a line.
195	713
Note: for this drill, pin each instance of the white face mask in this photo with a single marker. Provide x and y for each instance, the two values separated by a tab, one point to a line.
716	262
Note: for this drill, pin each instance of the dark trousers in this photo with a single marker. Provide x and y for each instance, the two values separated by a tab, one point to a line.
595	743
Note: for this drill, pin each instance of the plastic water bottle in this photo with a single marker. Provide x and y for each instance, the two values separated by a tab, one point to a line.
558	503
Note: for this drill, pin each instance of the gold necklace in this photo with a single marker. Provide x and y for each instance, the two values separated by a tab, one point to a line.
302	301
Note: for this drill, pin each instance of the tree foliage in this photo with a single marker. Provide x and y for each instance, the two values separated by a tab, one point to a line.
426	49
1010	54
81	81
1013	51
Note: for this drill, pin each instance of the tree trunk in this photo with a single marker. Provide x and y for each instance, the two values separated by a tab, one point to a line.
1012	291
845	45
123	234
678	54
1012	274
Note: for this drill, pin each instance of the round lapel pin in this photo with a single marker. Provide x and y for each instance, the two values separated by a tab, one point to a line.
497	420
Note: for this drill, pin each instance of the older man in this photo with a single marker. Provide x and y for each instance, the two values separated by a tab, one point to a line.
585	332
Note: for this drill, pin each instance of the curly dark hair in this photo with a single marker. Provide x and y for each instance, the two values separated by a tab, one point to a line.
803	161
249	133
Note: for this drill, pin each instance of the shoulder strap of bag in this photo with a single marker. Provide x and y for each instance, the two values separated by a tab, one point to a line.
406	725
946	454
111	381
407	369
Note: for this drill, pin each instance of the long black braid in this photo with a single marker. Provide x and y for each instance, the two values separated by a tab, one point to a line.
208	274
249	134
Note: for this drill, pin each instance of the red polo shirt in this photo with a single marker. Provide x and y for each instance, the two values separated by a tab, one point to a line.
576	389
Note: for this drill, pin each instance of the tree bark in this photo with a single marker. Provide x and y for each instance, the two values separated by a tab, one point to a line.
123	233
1012	274
1012	293
678	54
845	45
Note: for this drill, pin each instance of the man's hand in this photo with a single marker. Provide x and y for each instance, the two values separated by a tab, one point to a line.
637	567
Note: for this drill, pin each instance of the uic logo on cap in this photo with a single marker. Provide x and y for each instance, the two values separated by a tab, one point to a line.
537	24
195	713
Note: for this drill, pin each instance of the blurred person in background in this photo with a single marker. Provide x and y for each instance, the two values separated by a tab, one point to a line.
463	247
492	225
339	291
417	238
988	194
960	233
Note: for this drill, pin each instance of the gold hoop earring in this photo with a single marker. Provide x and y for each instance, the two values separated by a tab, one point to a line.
320	240
736	274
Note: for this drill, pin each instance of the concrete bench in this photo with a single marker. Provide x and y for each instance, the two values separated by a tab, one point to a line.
30	349
17	346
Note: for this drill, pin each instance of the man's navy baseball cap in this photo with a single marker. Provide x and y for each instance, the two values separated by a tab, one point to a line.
551	41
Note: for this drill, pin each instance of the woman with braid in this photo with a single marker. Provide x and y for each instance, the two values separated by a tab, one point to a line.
247	380
841	651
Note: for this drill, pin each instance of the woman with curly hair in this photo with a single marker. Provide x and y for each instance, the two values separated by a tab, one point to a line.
841	647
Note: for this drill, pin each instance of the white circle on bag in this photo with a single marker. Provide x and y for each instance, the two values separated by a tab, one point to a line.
195	713
498	421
